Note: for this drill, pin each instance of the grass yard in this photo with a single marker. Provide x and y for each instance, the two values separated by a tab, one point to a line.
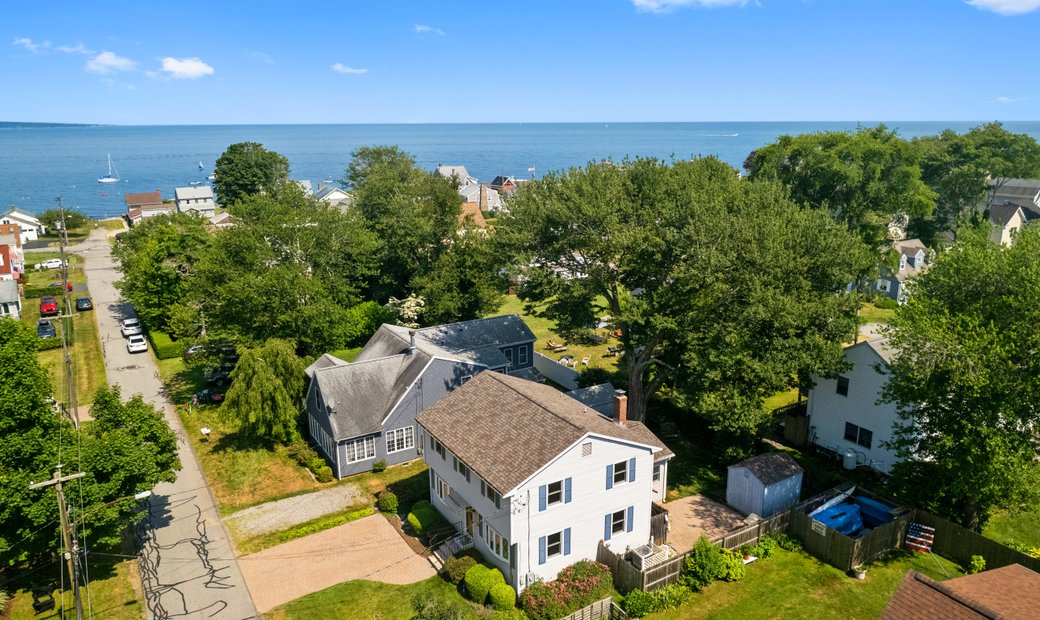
869	313
112	223
694	470
1022	527
114	595
795	585
364	600
545	329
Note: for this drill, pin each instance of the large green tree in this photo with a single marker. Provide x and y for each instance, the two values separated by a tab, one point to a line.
266	392
722	287
247	168
51	218
966	380
864	179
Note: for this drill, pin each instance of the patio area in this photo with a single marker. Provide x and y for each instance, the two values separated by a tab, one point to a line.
692	516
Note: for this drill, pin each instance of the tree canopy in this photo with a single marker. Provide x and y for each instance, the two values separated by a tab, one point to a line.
247	168
51	218
966	380
864	179
722	287
266	392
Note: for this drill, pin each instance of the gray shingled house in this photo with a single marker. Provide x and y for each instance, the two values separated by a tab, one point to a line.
363	411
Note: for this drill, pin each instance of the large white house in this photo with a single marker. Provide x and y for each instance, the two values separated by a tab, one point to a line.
537	478
31	228
844	412
198	199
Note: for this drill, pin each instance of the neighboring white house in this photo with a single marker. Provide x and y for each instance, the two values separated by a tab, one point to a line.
1007	219
844	413
198	199
334	196
487	198
765	484
537	478
31	227
10	302
458	172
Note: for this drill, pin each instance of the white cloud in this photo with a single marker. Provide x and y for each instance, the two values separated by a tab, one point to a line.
1007	99
28	44
185	68
665	6
107	62
78	48
1006	7
344	69
421	29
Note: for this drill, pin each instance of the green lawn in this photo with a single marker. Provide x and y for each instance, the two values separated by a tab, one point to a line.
694	470
796	586
869	313
114	595
364	600
1022	527
112	223
545	329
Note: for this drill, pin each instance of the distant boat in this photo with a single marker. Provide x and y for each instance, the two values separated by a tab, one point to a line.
109	178
201	167
211	177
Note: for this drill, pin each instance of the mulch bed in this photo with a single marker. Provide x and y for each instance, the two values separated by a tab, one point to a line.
414	543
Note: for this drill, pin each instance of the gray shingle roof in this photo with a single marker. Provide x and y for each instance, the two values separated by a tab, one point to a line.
446	170
771	467
910	247
361	394
8	290
599	397
192	193
476	341
325	361
880	346
1001	214
506	429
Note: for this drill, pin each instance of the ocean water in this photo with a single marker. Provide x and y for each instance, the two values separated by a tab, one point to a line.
37	163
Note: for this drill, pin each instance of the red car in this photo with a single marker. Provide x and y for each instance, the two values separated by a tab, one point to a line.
48	306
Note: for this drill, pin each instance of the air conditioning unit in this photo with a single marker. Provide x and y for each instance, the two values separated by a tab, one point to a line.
641	554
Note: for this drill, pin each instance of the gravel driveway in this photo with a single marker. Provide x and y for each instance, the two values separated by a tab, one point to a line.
285	513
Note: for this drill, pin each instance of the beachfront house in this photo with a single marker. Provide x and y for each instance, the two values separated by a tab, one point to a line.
913	259
334	196
364	411
537	479
458	173
198	199
845	415
143	205
31	228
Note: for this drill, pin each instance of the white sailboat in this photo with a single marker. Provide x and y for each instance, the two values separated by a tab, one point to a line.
201	166
109	178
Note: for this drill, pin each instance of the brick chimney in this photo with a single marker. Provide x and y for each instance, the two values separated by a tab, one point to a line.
620	407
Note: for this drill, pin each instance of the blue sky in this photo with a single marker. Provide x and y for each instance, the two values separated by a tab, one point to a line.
535	61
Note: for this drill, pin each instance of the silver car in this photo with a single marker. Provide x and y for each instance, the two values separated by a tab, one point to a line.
130	327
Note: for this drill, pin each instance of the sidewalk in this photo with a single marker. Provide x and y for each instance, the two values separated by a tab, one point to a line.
188	567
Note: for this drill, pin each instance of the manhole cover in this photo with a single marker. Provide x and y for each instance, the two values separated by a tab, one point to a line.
130	367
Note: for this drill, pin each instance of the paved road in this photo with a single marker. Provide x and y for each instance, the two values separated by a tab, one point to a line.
368	548
188	566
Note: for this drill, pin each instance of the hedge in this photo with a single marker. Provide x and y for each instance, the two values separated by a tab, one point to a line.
35	292
503	596
423	516
164	347
480	580
457	567
49	343
576	586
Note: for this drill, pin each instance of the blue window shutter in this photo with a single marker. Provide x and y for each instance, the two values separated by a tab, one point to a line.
632	469
610	476
567	491
541	498
482	486
567	541
541	550
629	518
606	527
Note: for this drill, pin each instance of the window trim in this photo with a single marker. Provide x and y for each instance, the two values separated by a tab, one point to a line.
439	448
549	545
841	386
407	439
622	469
508	352
523	355
365	443
549	493
854	433
618	527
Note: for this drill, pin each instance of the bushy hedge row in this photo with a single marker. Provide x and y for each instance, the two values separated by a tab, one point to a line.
423	516
307	457
49	343
638	603
480	580
35	292
163	346
575	587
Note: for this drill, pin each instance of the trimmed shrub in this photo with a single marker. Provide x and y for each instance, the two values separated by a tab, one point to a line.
456	568
886	303
478	582
638	603
387	502
324	474
544	601
978	564
503	596
379	466
788	542
423	516
35	292
163	347
427	607
47	344
732	566
704	565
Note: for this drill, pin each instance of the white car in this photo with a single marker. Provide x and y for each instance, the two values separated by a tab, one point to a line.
50	263
136	344
130	327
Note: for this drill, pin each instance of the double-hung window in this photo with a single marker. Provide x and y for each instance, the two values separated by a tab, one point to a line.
400	439
361	449
523	355
843	386
460	467
554	544
620	472
558	492
489	492
438	447
858	435
496	543
617	522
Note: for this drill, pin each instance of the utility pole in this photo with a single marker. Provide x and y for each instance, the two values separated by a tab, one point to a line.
71	549
65	318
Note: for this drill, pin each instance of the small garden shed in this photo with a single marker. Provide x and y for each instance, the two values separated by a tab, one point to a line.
765	484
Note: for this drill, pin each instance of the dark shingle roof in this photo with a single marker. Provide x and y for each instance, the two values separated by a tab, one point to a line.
599	397
361	394
1001	214
506	429
477	341
1010	592
325	361
771	467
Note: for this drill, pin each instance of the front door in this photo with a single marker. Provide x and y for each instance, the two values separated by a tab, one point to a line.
471	521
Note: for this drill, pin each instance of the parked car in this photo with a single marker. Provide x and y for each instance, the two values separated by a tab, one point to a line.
67	285
50	263
217	376
211	350
45	329
84	303
136	344
48	306
130	327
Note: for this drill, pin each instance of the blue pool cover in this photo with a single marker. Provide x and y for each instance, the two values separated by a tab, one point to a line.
852	517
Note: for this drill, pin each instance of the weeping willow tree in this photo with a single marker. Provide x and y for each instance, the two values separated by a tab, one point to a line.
266	391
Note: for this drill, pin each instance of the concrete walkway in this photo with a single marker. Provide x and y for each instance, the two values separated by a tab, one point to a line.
188	568
369	548
690	517
285	513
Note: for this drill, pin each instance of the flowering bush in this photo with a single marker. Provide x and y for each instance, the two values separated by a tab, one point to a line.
575	587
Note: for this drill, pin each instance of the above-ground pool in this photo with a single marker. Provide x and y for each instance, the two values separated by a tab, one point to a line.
855	515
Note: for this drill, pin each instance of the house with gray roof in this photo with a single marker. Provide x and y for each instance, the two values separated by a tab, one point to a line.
913	259
846	414
198	199
457	172
363	411
1006	220
1022	192
536	478
764	485
334	196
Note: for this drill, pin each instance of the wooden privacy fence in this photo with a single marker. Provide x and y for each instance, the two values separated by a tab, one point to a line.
843	552
605	609
959	544
658	524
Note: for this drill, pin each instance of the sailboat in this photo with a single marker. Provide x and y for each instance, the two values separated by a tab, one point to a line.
109	178
201	166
